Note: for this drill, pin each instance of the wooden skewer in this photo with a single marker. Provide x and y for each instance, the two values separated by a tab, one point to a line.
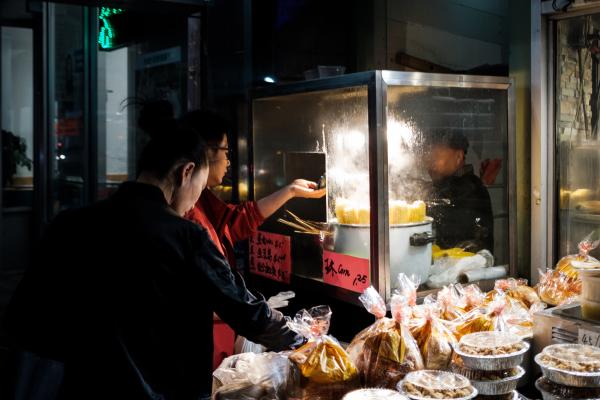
296	226
301	221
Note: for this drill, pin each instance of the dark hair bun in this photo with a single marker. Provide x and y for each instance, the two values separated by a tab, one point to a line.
156	118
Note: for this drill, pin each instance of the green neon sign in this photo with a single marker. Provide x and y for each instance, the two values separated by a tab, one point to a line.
106	32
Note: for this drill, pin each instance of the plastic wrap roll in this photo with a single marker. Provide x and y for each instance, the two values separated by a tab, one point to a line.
479	274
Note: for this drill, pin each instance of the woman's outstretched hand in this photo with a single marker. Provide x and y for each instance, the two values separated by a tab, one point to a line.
306	189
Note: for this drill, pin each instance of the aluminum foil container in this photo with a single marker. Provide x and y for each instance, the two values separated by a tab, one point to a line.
554	391
498	387
374	394
569	378
509	396
400	388
493	363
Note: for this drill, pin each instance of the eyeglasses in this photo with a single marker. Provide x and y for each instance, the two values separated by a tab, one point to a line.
227	150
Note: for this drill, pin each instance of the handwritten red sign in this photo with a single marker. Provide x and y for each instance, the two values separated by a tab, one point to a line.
270	256
347	272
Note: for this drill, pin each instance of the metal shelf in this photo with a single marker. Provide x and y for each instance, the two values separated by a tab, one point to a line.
587	218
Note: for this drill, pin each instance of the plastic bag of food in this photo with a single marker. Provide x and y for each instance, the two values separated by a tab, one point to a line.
557	288
569	265
488	318
504	314
516	289
385	351
407	287
253	376
243	345
375	305
435	340
563	284
448	301
472	296
326	369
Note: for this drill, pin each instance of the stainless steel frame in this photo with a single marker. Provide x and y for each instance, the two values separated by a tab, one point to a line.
377	83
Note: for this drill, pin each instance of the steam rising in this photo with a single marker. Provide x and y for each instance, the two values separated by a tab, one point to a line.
348	163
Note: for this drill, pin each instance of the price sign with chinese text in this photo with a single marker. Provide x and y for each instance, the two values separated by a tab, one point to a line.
589	337
270	256
351	273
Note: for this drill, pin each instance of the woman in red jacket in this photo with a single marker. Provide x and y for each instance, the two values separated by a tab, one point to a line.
226	223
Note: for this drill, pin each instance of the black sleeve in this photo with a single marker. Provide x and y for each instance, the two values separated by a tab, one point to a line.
247	315
35	317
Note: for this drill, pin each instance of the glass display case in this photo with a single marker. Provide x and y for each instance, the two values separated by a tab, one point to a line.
418	170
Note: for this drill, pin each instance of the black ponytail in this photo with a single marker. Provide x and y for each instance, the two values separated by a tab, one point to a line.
171	142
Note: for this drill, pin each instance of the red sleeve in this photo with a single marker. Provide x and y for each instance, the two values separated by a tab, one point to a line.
240	220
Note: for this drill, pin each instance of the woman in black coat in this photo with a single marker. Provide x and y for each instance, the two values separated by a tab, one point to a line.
122	293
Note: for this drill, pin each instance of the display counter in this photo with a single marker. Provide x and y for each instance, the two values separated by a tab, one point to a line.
380	142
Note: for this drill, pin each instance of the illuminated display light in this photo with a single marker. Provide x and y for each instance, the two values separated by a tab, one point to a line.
106	31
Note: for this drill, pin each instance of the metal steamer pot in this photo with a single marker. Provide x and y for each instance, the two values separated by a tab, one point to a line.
410	246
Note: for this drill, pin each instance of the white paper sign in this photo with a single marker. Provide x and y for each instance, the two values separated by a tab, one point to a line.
590	338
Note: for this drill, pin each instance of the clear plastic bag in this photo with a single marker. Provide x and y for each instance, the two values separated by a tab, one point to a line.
252	376
472	296
445	270
480	320
503	314
407	287
243	345
558	288
449	303
570	264
518	290
327	370
563	284
385	351
435	340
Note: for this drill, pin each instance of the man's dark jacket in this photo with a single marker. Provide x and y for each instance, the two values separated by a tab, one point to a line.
123	293
462	212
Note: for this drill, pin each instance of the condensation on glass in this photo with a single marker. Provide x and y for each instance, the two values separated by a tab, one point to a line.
448	164
448	155
577	114
305	136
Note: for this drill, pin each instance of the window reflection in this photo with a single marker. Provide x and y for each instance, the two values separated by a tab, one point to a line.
17	116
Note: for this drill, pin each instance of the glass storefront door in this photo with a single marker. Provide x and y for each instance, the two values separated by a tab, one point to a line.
103	63
67	71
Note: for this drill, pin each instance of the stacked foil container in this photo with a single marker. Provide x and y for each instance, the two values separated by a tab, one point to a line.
562	383
504	367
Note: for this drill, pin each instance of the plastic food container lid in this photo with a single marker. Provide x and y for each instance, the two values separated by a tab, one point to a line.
374	394
490	340
437	380
589	263
575	353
